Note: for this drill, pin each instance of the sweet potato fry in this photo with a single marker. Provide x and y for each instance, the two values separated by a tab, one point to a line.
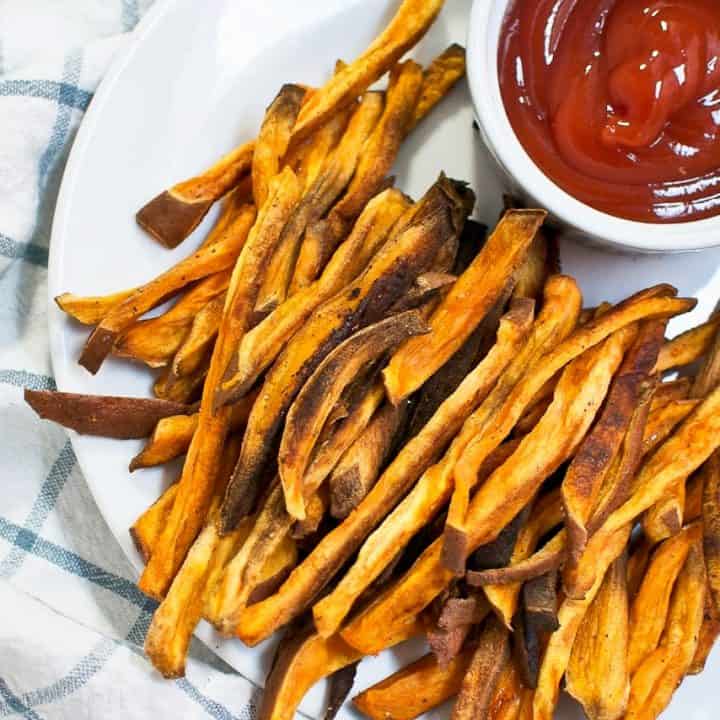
334	177
640	551
689	347
317	247
104	415
438	79
584	479
201	464
597	675
360	466
273	139
667	392
155	341
315	510
580	393
429	494
665	518
657	678
183	389
146	529
694	497
478	686
497	553
411	21
276	568
364	301
650	605
170	439
531	275
203	331
663	421
382	146
206	261
571	614
91	310
415	689
263	343
541	602
508	695
464	307
313	404
341	684
173	214
711	525
708	636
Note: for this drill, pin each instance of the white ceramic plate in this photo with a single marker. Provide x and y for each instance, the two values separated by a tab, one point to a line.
195	82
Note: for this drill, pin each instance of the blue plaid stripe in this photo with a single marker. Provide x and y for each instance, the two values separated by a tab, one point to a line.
25	379
63	93
31	252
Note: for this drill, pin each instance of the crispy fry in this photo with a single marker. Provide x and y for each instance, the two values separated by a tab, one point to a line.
526	649
708	636
689	347
335	175
173	214
572	612
597	675
694	497
362	302
579	395
541	602
665	518
170	439
315	510
657	678
203	331
497	553
428	495
91	310
155	341
411	21
201	464
531	275
263	343
317	247
147	528
276	568
650	605
341	683
273	138
640	551
711	525
464	306
667	392
663	421
360	466
506	702
483	673
383	145
104	415
415	689
181	389
206	261
313	404
438	79
588	471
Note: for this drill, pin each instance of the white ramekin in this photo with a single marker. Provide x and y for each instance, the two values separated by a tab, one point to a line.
524	176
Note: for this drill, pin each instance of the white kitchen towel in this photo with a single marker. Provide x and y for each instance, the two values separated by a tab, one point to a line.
72	622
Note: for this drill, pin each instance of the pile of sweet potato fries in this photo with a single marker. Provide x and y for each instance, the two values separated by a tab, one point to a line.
394	426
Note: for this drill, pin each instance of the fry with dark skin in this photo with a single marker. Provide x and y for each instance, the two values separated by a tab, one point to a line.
103	415
597	675
467	303
203	331
389	274
202	462
335	175
206	261
313	404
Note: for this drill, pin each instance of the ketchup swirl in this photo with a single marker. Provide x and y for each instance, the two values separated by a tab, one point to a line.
618	101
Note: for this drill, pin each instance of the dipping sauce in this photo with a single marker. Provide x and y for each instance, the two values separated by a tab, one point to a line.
618	101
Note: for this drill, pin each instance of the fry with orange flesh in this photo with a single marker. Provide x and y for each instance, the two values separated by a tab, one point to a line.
689	347
437	217
204	328
694	497
311	408
667	392
331	181
201	464
90	310
657	678
508	490
597	675
438	79
146	529
584	479
411	21
711	526
261	620
663	421
640	552
546	514
570	616
483	673
650	605
181	389
414	689
467	303
317	247
708	635
263	343
429	494
206	261
273	139
155	341
359	467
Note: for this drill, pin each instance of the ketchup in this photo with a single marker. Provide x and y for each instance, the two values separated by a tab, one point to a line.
618	101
